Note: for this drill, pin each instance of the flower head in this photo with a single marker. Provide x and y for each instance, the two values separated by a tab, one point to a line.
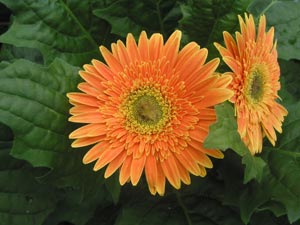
253	60
149	109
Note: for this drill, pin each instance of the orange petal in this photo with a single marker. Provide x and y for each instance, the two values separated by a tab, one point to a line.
137	167
123	54
184	174
151	173
125	170
171	172
261	28
198	134
191	66
90	117
79	109
224	80
161	181
83	99
200	158
143	46
115	164
93	80
211	152
107	156
91	69
207	69
186	52
111	60
216	96
230	45
95	152
171	47
80	142
88	89
132	48
156	45
188	162
103	70
90	130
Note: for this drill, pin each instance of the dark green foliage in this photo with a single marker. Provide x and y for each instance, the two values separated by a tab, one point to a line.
42	179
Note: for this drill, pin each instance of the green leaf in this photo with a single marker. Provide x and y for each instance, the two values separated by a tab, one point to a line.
184	207
104	216
39	122
134	16
38	115
10	53
75	209
22	199
282	180
290	137
204	20
254	167
112	184
287	27
265	217
223	135
290	83
60	28
278	190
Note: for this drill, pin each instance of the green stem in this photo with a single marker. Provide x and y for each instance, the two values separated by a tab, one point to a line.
268	7
184	209
87	34
161	24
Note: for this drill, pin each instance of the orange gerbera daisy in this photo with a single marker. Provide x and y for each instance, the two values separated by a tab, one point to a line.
255	71
149	108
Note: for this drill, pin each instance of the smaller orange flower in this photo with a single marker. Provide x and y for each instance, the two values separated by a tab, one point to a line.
255	70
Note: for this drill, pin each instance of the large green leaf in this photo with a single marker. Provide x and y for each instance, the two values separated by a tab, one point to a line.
287	27
290	81
74	209
134	16
195	204
22	199
282	180
63	29
34	105
204	20
10	53
223	135
276	183
290	138
276	192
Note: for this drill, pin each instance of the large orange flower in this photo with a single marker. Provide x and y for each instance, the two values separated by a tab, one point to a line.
149	108
255	71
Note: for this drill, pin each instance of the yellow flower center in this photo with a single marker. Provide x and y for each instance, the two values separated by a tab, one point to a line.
255	84
146	111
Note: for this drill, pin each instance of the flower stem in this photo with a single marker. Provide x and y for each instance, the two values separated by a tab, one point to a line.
184	209
161	24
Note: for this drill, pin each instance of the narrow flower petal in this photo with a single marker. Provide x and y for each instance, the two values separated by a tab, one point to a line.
137	167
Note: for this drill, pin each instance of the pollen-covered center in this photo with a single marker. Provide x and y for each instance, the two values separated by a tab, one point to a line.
256	89
256	84
146	111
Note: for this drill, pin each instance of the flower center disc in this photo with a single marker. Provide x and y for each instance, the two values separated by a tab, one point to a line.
255	86
146	111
